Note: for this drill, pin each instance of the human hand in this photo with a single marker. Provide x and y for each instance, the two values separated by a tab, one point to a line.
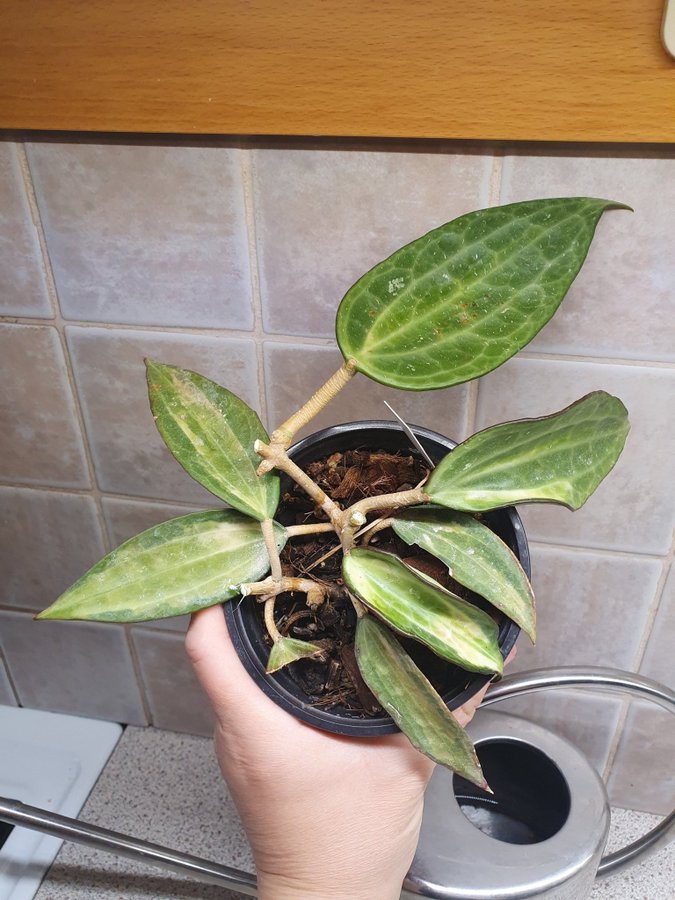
324	814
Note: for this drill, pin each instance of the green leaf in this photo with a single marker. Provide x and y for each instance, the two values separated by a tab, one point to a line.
475	556
420	608
177	567
459	301
211	432
560	458
412	702
287	650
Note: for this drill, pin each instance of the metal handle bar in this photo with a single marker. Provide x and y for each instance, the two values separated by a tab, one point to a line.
606	681
610	680
68	829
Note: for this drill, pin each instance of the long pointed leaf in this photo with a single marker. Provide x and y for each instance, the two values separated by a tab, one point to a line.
177	567
421	609
461	300
211	432
558	459
475	556
412	702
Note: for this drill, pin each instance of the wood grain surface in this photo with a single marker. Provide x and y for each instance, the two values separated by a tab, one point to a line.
584	70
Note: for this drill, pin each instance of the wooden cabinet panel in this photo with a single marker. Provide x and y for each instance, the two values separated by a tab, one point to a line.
498	69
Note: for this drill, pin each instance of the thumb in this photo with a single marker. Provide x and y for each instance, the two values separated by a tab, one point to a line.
215	662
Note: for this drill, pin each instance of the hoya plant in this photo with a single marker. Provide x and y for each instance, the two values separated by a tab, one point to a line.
442	310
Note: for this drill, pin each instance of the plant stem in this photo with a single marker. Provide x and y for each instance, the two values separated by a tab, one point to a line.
270	624
267	527
355	516
318	528
281	461
389	501
371	530
282	436
316	591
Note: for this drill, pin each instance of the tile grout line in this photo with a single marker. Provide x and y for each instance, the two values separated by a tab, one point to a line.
29	188
666	563
496	177
138	672
609	551
111	495
247	176
473	388
4	665
308	340
59	324
190	505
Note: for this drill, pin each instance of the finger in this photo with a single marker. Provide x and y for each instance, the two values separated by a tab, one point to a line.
215	661
511	656
232	692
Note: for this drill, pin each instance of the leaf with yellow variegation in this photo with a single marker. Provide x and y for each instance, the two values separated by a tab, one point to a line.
177	567
475	556
411	701
211	432
420	608
287	650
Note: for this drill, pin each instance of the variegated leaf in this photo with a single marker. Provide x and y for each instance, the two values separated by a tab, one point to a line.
177	567
421	609
410	699
475	556
560	458
211	432
287	650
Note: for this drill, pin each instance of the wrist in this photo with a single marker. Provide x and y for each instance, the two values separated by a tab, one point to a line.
276	887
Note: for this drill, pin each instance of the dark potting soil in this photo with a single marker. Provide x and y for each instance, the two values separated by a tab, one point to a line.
347	477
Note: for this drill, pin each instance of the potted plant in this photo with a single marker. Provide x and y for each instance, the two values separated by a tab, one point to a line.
408	559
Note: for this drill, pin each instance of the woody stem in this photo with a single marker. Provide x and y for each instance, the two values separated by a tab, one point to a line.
267	528
282	436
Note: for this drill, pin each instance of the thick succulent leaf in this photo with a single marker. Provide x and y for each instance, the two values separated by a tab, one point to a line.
287	650
560	458
177	567
475	556
460	300
211	432
420	608
411	701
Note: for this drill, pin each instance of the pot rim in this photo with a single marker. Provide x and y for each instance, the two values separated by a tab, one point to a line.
279	687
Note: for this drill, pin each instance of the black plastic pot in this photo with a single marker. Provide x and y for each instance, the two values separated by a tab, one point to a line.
246	629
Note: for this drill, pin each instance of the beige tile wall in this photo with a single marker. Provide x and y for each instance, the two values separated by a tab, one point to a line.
230	259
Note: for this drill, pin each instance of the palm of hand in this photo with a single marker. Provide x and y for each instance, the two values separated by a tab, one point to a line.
318	809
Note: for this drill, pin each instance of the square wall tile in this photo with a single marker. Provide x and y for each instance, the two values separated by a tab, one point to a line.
145	235
592	608
633	507
23	291
83	668
129	454
7	695
588	721
657	662
618	303
126	518
324	217
176	700
47	540
646	743
643	776
40	439
294	373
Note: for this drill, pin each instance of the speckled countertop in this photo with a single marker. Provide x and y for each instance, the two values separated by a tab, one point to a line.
166	788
